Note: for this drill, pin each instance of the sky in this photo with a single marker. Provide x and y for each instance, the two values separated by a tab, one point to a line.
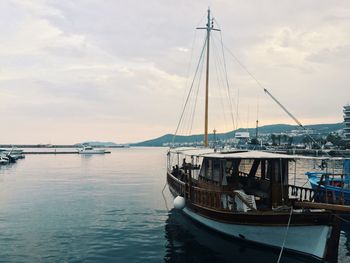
110	70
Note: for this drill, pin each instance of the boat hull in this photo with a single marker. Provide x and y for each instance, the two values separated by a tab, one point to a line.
99	151
308	240
340	194
314	234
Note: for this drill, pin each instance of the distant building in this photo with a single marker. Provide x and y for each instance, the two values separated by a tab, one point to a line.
347	123
242	135
302	132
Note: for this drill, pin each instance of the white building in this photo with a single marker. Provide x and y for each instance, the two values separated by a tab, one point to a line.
347	122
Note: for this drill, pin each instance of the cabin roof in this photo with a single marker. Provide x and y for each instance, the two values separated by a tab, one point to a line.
192	151
238	154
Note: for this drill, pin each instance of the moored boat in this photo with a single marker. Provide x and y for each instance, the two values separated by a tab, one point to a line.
332	187
4	160
246	195
90	150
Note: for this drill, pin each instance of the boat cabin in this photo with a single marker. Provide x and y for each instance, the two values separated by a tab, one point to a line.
252	179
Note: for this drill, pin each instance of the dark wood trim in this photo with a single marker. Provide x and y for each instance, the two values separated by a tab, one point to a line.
332	245
263	218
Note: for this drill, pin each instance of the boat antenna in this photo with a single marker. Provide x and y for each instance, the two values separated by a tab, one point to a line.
209	27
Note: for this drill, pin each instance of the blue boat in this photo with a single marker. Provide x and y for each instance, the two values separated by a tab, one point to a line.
331	187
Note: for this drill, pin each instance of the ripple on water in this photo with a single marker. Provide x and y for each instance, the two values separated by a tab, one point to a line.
107	209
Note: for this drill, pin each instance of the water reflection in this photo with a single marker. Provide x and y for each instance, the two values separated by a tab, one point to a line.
187	241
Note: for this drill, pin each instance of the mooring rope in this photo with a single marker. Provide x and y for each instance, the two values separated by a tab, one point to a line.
166	204
285	235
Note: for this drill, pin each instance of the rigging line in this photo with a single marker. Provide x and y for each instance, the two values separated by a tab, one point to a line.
219	81
190	62
200	58
232	103
227	82
273	98
183	130
189	67
228	86
228	92
222	63
195	102
222	92
200	21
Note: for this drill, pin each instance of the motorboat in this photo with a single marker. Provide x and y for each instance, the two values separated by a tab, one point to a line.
87	149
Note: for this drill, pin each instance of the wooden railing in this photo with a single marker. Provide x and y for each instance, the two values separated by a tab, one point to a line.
301	193
218	200
224	200
178	185
207	198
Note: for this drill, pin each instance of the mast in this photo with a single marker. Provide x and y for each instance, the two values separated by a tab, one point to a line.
207	83
209	27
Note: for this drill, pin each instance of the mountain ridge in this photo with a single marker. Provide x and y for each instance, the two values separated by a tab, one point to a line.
266	129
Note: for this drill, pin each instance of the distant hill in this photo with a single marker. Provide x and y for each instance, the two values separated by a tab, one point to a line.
267	129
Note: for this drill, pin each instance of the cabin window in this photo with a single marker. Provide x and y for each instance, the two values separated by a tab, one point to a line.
226	171
212	170
216	170
209	169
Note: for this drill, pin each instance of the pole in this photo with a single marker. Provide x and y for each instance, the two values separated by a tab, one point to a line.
207	84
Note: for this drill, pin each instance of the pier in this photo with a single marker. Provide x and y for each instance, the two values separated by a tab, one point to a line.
54	152
50	152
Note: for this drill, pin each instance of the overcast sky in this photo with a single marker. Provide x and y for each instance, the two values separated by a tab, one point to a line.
111	70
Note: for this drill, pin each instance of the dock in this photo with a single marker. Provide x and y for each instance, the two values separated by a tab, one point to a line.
55	152
50	152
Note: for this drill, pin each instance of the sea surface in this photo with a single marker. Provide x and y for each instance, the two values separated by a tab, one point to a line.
110	208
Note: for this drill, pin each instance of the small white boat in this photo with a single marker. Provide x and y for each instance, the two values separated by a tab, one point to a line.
90	150
4	160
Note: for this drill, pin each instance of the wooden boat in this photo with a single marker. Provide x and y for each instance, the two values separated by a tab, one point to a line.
246	195
186	237
332	187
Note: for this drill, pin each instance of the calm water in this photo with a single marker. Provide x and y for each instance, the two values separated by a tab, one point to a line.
108	208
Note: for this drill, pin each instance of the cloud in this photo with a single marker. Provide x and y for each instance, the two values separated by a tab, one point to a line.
124	65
